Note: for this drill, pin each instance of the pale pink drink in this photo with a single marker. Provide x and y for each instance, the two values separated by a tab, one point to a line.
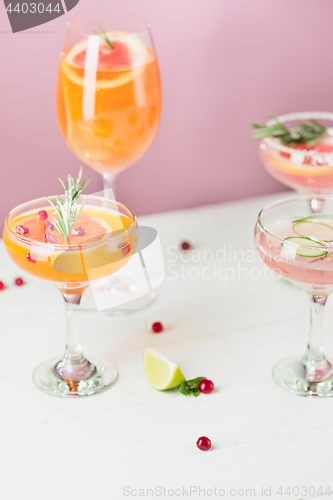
298	245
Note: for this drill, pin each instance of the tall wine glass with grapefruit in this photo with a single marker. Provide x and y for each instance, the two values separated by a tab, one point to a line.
70	241
109	99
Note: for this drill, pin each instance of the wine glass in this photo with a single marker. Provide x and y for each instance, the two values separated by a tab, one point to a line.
298	245
109	97
95	252
308	169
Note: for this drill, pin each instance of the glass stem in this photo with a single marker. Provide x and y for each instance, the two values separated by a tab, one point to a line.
109	183
317	368
73	349
73	367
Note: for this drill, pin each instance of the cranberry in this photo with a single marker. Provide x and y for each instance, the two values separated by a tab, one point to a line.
78	231
29	259
42	215
206	386
22	229
204	443
51	238
2	286
19	282
48	225
125	248
185	245
157	327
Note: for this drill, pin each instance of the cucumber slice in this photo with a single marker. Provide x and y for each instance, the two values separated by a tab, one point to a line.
316	230
313	216
307	242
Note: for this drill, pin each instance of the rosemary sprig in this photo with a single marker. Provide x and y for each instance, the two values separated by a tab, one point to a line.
66	205
304	133
105	37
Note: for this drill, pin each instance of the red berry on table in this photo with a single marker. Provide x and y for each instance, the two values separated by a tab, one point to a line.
204	443
19	282
51	238
48	226
78	231
157	327
2	286
206	386
29	259
22	229
42	215
185	245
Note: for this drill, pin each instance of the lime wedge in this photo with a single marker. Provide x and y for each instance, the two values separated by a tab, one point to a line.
311	229
306	242
161	373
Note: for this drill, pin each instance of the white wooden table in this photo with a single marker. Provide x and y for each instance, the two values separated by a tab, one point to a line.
132	439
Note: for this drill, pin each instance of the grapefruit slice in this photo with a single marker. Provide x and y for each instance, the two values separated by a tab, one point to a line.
114	66
87	228
91	228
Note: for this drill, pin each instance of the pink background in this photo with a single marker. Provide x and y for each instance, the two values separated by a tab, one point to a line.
224	63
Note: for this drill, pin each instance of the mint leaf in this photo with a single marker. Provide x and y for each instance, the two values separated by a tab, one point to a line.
183	389
191	387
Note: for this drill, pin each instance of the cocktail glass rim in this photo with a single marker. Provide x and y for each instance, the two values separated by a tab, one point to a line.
68	247
274	204
303	115
102	14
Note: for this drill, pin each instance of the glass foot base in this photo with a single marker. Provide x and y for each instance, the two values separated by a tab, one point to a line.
290	375
103	375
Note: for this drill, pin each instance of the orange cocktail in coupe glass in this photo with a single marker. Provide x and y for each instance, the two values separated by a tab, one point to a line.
109	96
297	150
99	243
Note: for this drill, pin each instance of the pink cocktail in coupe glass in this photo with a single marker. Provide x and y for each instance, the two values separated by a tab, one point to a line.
298	245
306	168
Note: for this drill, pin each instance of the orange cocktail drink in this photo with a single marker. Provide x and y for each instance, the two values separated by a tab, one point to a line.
109	100
305	167
104	241
101	237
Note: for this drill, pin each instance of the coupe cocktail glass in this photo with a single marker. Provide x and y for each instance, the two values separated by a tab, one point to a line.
106	238
109	99
306	169
298	244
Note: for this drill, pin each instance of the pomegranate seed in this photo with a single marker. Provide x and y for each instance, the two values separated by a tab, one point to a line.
42	215
125	248
22	229
204	443
157	327
2	286
206	386
29	259
48	226
51	238
19	282
78	231
185	245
